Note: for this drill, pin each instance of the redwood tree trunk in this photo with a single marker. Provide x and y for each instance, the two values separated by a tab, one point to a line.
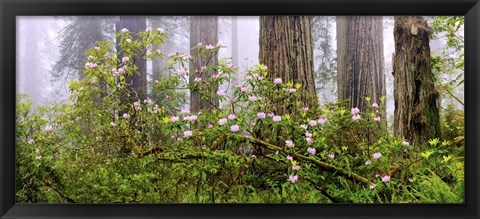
203	29
286	48
360	61
416	111
137	82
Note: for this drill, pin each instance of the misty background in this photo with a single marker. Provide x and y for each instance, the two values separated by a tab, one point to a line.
41	39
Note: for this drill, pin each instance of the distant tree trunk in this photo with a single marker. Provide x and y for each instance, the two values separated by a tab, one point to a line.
202	29
360	62
286	47
416	111
235	55
137	83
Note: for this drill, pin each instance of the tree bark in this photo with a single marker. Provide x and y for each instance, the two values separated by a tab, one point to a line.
137	83
416	111
203	29
360	61
286	48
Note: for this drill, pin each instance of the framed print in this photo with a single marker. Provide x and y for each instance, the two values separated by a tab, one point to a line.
261	109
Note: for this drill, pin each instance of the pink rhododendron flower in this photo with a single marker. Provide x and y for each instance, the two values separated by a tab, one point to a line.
368	162
161	30
355	111
210	125
121	70
113	124
289	143
264	68
124	30
48	128
184	111
248	77
312	151
237	85
303	126
248	135
356	117
209	46
148	29
277	118
243	89
321	121
405	143
260	77
221	93
254	156
293	179
242	172
187	133
114	72
235	128
181	71
276	152
377	155
190	118
308	134
290	158
38	157
252	98
215	75
375	105
156	81
277	81
38	149
376	118
31	141
295	167
386	178
305	108
126	115
309	140
125	59
222	121
270	114
197	79
331	156
232	116
97	47
377	175
372	186
128	40
313	123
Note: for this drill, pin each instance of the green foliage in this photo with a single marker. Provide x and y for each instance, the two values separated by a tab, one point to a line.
108	146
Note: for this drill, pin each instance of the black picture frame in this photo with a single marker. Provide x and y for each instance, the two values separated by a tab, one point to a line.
9	9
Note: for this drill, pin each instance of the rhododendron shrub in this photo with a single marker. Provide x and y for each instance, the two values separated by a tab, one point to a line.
108	146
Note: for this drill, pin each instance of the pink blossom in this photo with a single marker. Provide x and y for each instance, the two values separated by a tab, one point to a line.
375	105
232	116
248	77
377	175
38	149
221	93
277	81
121	70
372	186
290	158
197	79
161	30
181	71
235	128
199	43
114	73
293	179
248	135
242	172
289	143
368	162
219	44
190	118
128	40
309	140
270	114
311	151
276	152
313	123
97	47
386	178
38	157
126	115
156	81
305	108
187	133
355	111
48	128
377	155
124	30
264	68
243	89
254	156
113	124
148	29
252	98
222	121
31	141
303	126
215	75
237	85
405	143
184	111
260	77
331	156
322	121
376	118
308	134
209	46
295	167
277	118
356	117
125	59
210	125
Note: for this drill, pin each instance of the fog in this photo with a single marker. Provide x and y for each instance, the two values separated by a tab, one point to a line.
39	43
